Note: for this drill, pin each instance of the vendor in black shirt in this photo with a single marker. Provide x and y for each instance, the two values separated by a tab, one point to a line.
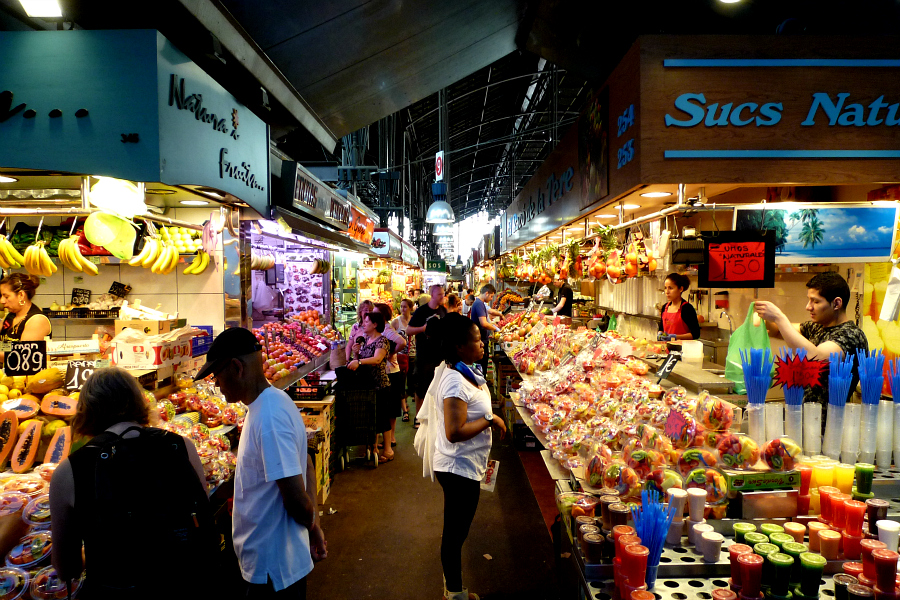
679	317
428	354
565	296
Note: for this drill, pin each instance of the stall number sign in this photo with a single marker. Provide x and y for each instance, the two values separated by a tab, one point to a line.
25	358
77	372
668	366
119	289
80	296
736	261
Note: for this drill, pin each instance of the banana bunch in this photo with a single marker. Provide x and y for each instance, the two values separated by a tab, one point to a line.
37	261
9	256
320	266
71	257
201	261
158	256
262	263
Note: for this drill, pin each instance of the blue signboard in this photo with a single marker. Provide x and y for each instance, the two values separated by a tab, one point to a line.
125	104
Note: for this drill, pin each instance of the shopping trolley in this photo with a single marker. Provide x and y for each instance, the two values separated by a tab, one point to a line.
354	402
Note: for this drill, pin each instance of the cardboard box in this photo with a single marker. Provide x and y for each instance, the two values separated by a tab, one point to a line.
148	327
138	356
317	414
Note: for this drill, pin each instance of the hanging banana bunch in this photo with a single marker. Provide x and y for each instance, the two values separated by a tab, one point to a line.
156	255
10	258
262	263
70	256
201	261
37	261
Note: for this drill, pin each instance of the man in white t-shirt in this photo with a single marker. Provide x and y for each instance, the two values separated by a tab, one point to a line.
276	530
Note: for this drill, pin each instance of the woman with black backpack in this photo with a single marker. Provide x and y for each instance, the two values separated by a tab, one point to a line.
135	497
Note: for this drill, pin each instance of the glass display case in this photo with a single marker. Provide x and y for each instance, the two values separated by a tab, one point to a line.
345	297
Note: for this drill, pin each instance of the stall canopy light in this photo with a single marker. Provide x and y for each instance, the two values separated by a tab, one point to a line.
440	210
194	202
5	179
656	194
631	206
41	9
606	216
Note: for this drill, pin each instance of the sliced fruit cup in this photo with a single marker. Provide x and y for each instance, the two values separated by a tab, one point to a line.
13	583
37	513
32	550
46	585
31	485
12	503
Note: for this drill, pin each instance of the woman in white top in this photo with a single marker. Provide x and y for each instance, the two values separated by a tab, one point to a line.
392	366
463	419
407	356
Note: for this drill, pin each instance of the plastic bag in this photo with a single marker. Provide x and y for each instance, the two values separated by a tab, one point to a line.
745	337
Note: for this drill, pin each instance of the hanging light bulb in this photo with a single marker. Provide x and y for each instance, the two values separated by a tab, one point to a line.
440	210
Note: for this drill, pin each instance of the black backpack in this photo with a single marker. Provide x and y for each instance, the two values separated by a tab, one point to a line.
148	526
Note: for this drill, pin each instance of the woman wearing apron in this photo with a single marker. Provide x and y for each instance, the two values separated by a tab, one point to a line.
26	321
678	317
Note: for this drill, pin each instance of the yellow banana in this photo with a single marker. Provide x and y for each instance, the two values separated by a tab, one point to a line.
204	262
160	260
194	264
89	267
71	254
48	268
61	253
11	250
6	256
29	260
139	259
152	255
3	261
173	260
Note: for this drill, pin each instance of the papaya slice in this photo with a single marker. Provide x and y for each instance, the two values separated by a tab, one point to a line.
58	406
26	408
59	445
24	453
9	424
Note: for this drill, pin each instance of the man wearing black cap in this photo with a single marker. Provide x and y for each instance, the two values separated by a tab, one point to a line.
276	530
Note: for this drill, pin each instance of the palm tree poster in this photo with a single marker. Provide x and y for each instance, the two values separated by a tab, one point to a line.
823	233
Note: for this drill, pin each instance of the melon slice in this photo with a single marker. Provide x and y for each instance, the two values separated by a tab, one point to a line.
24	453
58	406
59	445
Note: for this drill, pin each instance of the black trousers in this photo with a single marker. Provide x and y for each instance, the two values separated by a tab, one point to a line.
460	501
261	591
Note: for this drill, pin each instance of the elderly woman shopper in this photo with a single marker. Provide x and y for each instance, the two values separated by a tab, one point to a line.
364	308
373	352
463	417
131	495
398	343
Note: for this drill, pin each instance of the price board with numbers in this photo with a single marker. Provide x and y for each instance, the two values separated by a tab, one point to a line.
668	365
738	259
25	358
78	371
81	296
119	289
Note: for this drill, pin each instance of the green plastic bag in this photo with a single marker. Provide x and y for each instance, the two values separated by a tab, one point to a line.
613	323
745	337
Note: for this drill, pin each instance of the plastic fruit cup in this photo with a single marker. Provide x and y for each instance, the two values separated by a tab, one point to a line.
741	529
805	478
843	477
677	498
811	568
605	501
797	531
780	539
824	473
626	540
854	511
859	592
618	531
885	568
804	502
754	538
865	473
764	550
866	547
781	565
814	501
814	528
825	493
734	551
711	542
676	529
829	543
794	550
839	510
876	510
722	594
841	581
770	528
851	546
696	532
634	563
751	574
852	568
889	533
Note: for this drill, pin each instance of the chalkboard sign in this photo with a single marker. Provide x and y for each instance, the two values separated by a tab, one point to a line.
80	296
25	358
119	289
668	366
738	259
77	372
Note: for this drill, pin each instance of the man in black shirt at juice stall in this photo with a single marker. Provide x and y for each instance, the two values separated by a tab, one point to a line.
427	349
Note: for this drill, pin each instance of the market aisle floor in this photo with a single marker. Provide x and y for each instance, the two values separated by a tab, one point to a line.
384	539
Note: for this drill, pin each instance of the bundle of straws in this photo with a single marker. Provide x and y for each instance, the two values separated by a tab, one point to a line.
793	394
757	367
871	375
839	376
894	371
651	523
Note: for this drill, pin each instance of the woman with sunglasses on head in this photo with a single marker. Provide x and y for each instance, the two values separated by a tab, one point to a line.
373	351
464	418
364	308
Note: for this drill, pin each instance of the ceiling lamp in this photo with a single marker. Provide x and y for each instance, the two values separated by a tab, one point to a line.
41	9
631	206
5	179
606	216
655	194
194	202
440	210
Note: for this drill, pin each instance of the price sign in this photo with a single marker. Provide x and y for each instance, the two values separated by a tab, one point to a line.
676	425
799	372
77	372
119	289
737	259
26	358
668	366
80	296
